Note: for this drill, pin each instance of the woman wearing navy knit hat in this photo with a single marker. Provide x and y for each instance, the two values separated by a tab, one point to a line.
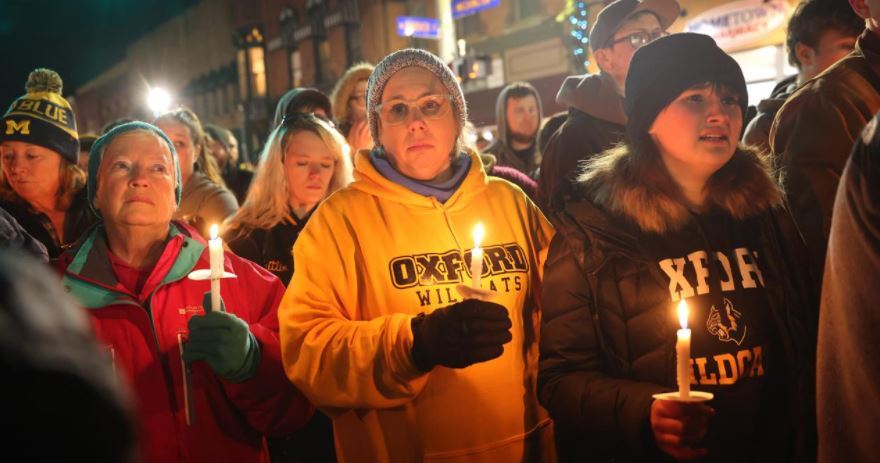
679	212
41	184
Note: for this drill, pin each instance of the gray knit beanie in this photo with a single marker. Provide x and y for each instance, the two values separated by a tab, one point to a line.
406	58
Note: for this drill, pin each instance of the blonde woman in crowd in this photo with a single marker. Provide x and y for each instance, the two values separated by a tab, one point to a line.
205	200
304	162
349	99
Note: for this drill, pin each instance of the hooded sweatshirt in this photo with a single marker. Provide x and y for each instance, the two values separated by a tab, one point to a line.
757	133
596	122
504	153
373	256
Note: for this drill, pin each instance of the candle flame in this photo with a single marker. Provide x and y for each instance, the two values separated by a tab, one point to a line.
683	314
214	231
479	233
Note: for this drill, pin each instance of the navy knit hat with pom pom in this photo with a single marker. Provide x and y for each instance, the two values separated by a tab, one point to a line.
43	117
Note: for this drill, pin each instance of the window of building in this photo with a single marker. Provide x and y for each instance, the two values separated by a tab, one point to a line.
762	68
251	62
296	70
470	25
241	61
256	56
528	8
323	59
353	43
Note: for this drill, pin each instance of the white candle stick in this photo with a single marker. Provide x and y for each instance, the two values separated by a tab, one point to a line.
477	255
215	247
683	352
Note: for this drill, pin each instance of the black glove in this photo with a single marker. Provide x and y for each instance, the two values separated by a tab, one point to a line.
459	335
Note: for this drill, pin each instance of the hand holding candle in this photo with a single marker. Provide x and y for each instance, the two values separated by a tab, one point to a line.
683	352
215	247
683	369
477	255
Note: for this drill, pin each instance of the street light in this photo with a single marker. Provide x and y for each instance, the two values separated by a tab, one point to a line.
159	100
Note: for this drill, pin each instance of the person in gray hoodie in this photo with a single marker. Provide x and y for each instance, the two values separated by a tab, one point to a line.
596	118
518	114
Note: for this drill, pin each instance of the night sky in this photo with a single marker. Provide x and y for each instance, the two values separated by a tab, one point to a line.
78	38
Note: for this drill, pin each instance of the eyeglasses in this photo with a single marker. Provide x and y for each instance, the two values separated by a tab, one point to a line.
359	100
396	112
639	39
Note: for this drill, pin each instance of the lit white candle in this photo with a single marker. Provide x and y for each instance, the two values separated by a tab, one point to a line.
215	247
683	352
477	255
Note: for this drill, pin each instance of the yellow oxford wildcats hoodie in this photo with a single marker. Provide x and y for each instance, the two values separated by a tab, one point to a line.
373	256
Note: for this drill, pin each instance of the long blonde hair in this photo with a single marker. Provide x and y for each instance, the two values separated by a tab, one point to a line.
205	162
267	201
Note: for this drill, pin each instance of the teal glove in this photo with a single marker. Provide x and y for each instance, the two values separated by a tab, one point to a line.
225	342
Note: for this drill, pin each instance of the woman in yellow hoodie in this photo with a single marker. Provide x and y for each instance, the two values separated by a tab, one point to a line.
374	328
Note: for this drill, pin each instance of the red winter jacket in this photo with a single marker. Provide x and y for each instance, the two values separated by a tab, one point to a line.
141	338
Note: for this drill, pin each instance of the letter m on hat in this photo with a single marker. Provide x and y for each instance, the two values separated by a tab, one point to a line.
23	127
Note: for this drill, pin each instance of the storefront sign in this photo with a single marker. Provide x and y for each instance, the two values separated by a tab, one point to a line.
462	8
740	23
422	28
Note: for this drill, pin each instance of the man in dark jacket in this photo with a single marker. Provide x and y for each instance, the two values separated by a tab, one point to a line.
595	101
815	129
518	114
848	366
820	33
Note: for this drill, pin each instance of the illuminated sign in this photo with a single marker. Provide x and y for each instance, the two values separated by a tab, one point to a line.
461	8
422	28
740	23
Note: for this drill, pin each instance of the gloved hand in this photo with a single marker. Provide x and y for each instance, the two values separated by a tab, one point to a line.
459	335
225	342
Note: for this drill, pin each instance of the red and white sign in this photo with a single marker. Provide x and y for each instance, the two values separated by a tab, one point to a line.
739	23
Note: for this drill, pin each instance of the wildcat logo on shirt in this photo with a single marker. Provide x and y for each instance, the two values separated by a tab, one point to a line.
689	277
426	272
727	368
727	323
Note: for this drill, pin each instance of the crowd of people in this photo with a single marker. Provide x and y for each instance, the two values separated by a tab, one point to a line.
394	292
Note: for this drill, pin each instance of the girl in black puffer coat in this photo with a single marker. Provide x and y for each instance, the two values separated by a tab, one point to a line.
679	212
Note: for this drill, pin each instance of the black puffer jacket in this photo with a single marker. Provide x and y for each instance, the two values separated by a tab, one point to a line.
608	333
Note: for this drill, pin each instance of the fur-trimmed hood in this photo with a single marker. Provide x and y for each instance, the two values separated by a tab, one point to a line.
640	189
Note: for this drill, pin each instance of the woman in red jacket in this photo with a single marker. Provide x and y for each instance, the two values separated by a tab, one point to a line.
207	384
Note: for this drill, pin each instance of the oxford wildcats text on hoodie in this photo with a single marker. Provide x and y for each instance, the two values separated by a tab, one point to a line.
372	257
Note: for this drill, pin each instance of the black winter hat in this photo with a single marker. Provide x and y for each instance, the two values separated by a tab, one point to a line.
661	70
43	117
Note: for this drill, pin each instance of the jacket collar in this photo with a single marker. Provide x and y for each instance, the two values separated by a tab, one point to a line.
90	275
371	181
644	193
